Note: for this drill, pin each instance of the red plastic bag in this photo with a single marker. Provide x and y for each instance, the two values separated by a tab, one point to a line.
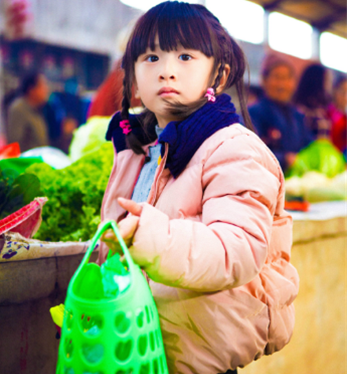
10	151
26	221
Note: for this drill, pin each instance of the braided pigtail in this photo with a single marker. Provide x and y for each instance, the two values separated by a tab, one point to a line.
126	99
131	140
219	76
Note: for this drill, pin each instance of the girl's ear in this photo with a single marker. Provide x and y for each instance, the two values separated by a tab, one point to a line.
224	77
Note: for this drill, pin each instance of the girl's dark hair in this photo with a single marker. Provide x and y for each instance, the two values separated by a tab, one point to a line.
311	88
194	27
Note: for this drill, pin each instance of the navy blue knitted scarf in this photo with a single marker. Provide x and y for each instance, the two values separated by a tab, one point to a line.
184	137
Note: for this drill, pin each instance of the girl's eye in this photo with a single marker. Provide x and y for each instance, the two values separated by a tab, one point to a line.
184	57
152	58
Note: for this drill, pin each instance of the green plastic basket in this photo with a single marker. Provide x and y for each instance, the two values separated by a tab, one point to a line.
118	335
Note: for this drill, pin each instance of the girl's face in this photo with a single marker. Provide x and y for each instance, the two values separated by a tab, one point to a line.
181	75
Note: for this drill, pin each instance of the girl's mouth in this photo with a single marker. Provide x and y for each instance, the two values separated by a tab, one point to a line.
167	92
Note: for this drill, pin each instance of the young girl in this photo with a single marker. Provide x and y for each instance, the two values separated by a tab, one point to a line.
206	198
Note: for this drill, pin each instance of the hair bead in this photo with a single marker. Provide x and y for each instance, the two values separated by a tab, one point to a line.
125	126
210	95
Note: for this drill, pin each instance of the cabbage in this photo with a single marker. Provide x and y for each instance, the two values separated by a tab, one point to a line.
89	137
321	156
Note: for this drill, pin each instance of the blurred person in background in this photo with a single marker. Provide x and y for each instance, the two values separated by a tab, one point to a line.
337	112
70	102
64	112
278	123
69	125
312	98
26	124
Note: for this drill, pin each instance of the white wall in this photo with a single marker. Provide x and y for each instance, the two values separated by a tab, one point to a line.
90	25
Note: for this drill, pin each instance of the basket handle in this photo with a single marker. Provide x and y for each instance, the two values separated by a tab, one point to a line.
105	226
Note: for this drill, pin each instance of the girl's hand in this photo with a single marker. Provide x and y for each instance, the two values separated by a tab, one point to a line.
127	226
130	206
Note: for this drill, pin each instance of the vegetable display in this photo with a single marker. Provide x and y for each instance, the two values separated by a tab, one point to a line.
316	187
75	194
16	191
320	156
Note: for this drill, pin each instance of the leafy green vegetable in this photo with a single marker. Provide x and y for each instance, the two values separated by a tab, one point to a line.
321	156
16	191
75	195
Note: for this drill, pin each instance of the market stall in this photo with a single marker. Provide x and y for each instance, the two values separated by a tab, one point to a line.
35	273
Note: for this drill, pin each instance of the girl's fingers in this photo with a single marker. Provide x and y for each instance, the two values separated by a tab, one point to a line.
108	235
128	227
131	206
110	239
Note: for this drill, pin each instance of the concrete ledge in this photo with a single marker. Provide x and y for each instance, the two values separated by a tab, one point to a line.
305	231
28	289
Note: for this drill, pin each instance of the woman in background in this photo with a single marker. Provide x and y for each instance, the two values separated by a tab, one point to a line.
278	123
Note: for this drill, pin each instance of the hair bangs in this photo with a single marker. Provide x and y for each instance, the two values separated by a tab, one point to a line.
174	24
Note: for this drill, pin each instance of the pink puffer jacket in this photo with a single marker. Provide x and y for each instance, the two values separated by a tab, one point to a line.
215	243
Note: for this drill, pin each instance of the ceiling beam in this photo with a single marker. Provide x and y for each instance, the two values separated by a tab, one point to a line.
325	22
273	5
335	6
277	4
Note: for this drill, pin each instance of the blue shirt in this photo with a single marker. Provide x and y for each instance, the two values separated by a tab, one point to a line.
147	173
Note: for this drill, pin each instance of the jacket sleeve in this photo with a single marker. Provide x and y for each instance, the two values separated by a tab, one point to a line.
229	246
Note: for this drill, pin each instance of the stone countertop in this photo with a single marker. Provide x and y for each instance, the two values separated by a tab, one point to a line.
323	220
322	211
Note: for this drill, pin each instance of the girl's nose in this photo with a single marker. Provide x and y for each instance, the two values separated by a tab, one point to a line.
167	72
163	77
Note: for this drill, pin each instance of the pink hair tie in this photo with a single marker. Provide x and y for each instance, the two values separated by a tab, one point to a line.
210	94
125	126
